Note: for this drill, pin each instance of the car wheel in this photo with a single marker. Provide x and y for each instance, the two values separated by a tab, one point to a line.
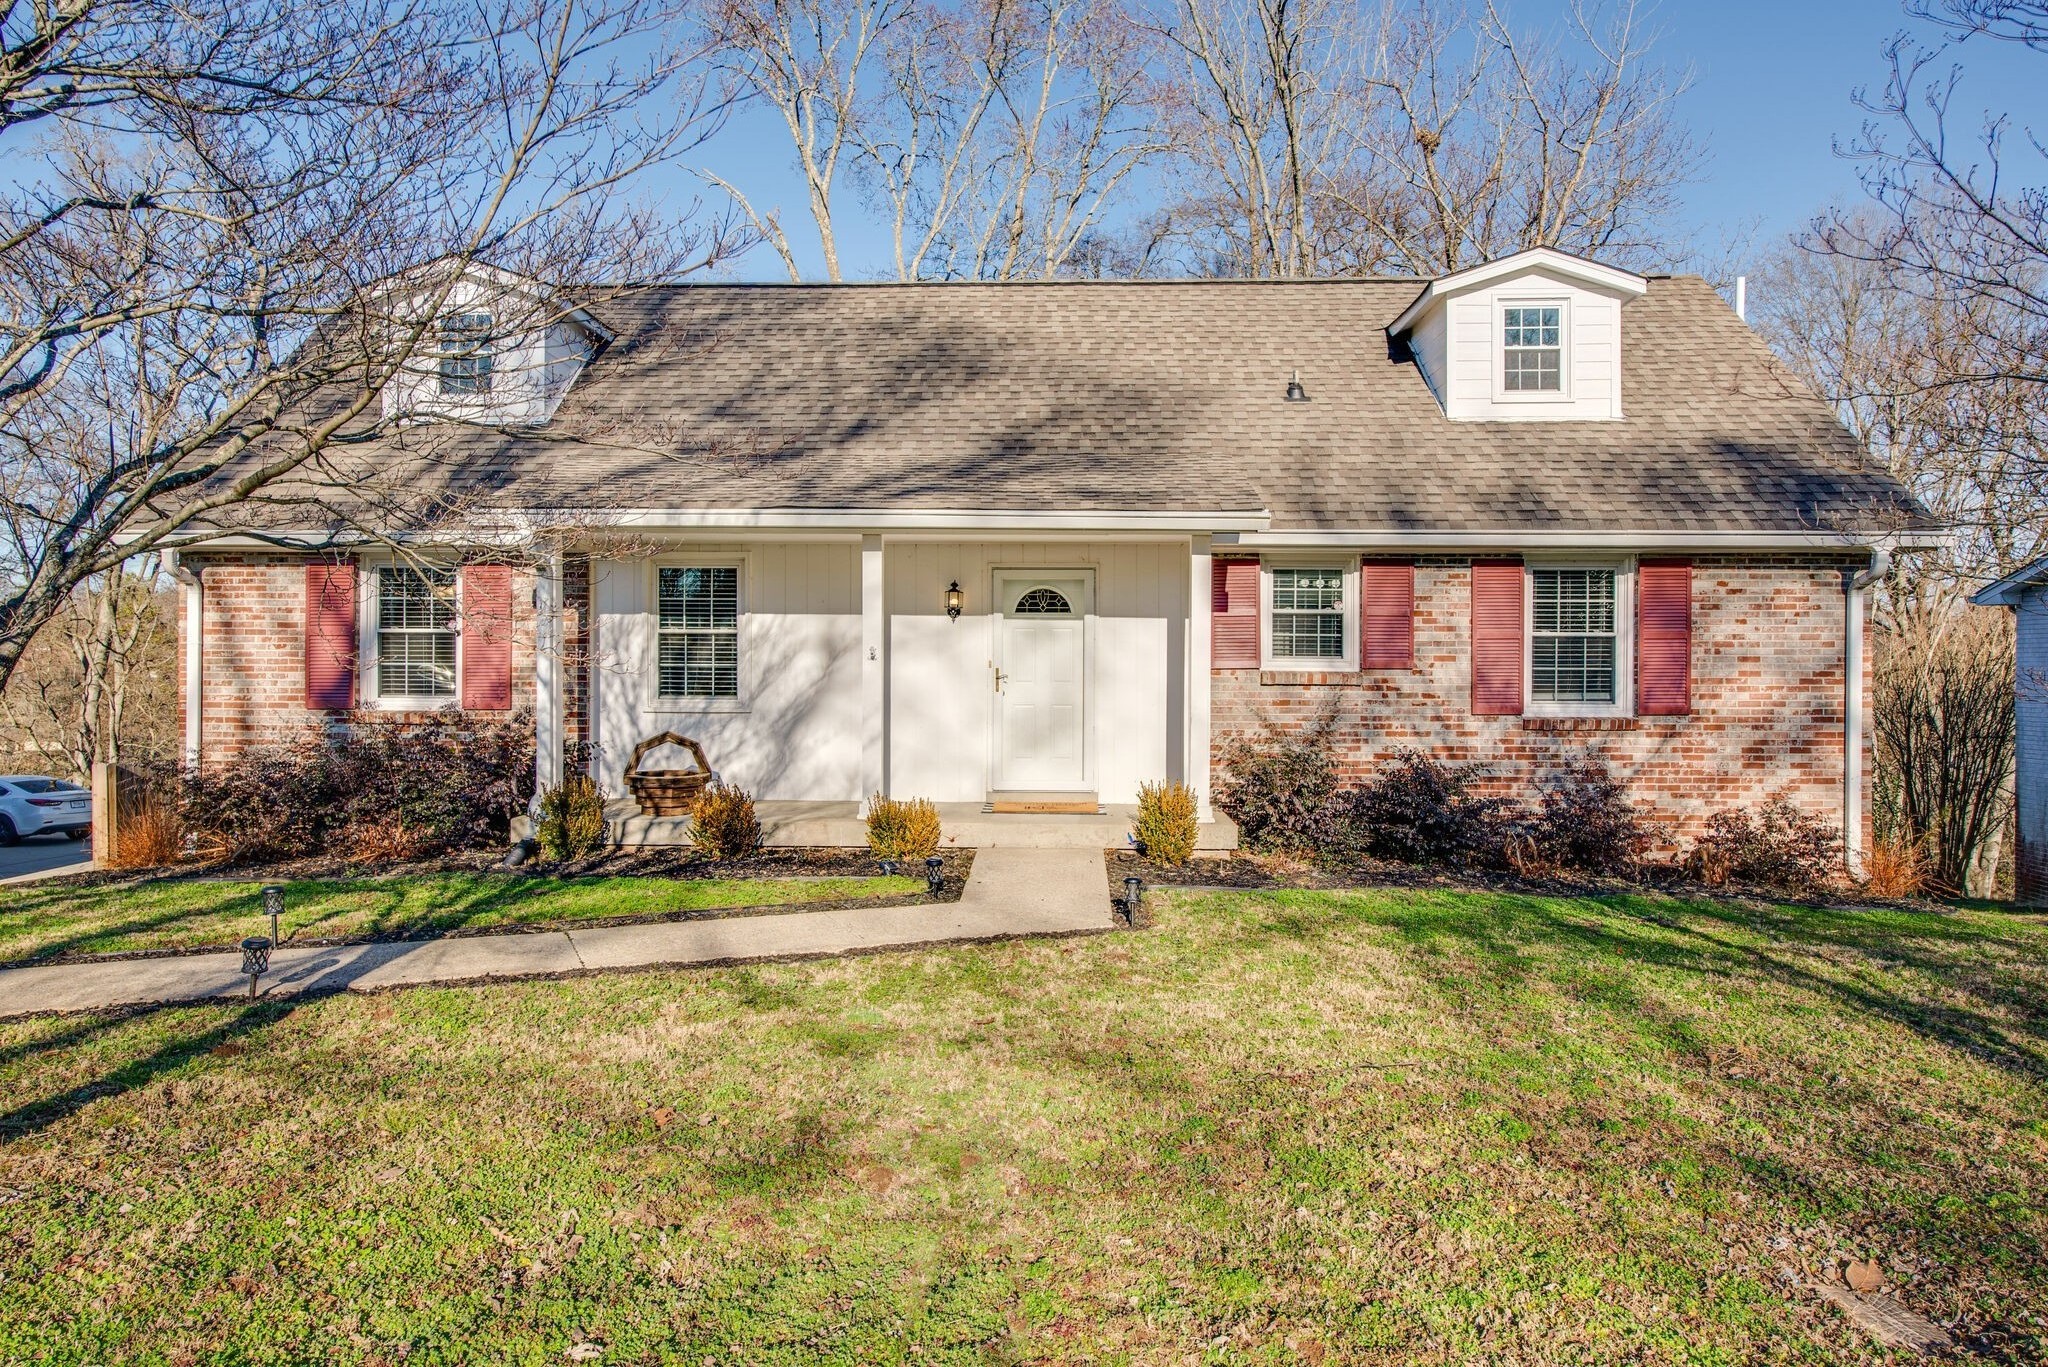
8	835
78	833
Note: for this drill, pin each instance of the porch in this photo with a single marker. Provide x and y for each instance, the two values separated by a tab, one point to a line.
966	825
965	669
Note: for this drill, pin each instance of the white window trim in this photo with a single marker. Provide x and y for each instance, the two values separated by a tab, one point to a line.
1624	704
1348	661
653	702
367	629
1501	304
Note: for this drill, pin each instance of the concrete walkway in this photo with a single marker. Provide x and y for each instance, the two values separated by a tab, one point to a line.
1011	892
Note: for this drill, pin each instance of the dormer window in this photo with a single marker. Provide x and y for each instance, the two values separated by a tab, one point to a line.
465	354
1532	360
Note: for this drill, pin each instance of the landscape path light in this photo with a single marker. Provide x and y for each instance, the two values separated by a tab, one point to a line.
273	907
935	874
255	959
1134	893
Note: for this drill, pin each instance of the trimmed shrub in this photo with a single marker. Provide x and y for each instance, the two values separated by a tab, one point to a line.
902	830
723	824
379	789
1779	847
1278	789
571	821
1584	821
1166	825
1419	810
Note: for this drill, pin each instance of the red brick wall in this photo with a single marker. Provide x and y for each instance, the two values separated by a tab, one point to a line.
1768	668
253	690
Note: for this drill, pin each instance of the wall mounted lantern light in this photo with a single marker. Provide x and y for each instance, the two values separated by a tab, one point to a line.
953	600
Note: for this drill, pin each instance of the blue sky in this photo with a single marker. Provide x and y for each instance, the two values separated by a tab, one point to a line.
1773	93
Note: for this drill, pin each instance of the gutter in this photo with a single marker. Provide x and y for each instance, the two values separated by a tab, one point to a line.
195	670
1853	586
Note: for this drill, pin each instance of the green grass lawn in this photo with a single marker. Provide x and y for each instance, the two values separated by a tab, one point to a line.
1277	1127
40	919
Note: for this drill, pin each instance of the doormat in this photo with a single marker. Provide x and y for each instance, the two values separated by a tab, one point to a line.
1044	808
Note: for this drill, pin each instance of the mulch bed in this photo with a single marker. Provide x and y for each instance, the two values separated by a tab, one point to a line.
1253	872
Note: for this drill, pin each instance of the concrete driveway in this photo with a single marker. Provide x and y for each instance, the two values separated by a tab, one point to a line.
41	853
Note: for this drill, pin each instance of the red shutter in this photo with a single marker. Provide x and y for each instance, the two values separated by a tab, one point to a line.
1387	638
1497	638
1664	638
485	601
1234	625
330	635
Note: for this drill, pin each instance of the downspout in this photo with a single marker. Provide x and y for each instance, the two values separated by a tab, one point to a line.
1853	585
195	672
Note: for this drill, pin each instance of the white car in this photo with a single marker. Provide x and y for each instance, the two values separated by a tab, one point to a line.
43	806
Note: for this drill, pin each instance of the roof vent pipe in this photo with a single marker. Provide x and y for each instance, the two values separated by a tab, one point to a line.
1295	393
1742	297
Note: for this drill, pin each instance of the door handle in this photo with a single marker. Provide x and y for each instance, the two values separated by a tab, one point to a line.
1000	676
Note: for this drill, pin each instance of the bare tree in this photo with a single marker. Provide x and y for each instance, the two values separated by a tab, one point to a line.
100	682
990	134
1330	138
1951	222
209	204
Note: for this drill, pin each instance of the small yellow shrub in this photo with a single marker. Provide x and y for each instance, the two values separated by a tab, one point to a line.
151	836
723	824
1894	870
571	819
902	830
1166	827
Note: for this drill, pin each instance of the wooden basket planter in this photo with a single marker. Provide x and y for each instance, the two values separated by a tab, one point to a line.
668	792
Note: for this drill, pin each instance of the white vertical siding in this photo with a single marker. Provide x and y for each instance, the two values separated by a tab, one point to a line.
796	733
941	680
2032	780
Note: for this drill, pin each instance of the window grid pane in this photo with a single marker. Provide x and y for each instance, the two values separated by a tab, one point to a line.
1308	614
1534	357
465	360
1572	636
415	633
699	630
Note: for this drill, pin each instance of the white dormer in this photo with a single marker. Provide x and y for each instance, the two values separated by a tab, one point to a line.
499	350
1531	337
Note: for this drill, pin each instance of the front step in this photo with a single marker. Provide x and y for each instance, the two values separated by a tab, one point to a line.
965	826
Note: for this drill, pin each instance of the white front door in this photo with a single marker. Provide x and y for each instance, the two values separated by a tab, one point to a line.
1042	682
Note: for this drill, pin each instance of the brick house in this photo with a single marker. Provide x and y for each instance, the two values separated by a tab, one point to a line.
1045	542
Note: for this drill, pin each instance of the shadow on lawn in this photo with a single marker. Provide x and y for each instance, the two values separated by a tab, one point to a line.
35	1116
370	911
1514	938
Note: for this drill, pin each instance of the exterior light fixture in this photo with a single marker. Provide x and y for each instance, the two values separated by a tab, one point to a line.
255	959
935	874
1295	393
273	907
1134	895
888	868
953	600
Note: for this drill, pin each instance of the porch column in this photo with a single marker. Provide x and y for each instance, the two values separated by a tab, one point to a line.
1201	601
547	672
874	675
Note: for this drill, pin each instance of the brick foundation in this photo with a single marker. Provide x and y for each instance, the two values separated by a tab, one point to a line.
1767	699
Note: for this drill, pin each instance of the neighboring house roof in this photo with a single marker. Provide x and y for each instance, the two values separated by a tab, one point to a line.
1139	396
2006	593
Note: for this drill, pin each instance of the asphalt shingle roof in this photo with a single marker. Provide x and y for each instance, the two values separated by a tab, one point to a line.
1160	396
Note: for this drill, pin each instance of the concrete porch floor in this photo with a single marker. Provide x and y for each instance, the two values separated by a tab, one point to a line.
965	825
